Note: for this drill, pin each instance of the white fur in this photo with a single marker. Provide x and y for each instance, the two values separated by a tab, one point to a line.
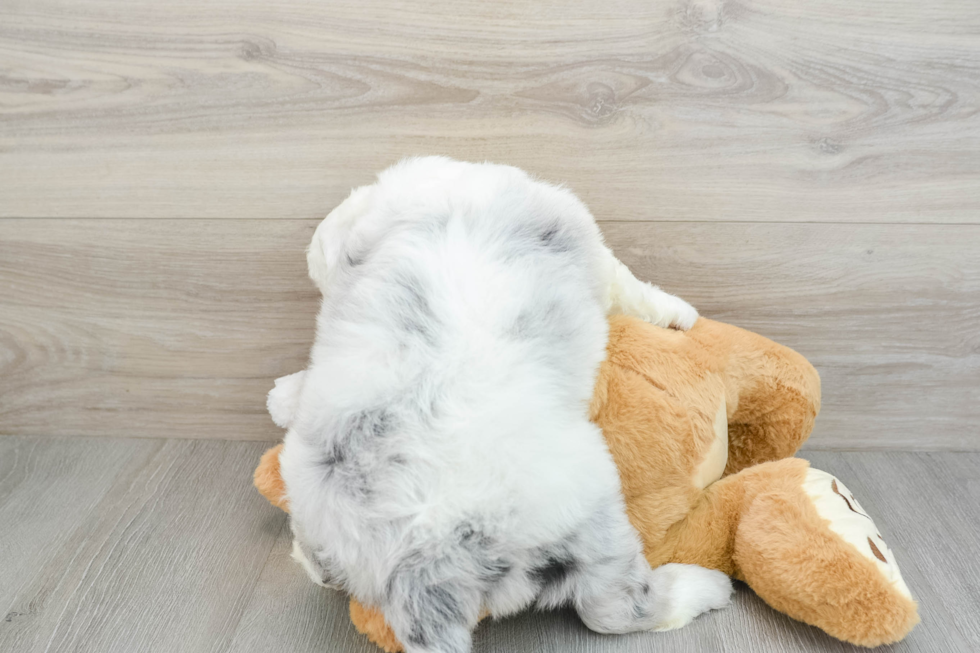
284	397
439	458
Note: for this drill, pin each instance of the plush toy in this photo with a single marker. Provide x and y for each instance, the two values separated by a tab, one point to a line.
702	425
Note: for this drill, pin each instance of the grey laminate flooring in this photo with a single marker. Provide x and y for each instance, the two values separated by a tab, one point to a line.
130	545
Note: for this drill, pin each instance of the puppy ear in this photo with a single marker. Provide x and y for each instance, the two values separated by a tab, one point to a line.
321	256
331	236
268	480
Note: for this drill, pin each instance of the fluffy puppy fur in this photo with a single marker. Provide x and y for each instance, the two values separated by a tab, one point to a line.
439	460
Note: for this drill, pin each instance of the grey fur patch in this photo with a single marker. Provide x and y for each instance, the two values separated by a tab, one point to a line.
352	453
554	239
355	433
426	591
415	314
554	570
353	261
436	606
490	568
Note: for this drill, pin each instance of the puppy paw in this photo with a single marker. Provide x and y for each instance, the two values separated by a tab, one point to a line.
691	590
282	399
683	316
671	312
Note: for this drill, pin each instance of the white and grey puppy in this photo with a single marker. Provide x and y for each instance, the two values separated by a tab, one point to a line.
439	460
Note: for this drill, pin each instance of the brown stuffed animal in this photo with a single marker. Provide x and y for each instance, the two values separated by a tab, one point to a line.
702	425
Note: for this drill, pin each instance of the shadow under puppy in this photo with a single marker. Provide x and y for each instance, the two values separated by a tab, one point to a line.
440	462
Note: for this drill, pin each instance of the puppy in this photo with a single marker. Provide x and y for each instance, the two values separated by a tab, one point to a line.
439	460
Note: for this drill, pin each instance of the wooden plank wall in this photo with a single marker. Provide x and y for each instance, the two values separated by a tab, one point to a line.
807	170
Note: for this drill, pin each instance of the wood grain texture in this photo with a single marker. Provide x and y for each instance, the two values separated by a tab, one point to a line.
756	110
150	328
121	545
888	314
125	545
177	328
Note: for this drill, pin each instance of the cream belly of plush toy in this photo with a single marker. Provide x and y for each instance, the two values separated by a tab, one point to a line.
702	425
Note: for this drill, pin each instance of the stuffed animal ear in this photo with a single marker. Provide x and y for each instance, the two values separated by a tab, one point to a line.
268	481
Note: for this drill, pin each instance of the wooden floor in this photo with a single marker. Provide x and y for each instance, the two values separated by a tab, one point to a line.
118	545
